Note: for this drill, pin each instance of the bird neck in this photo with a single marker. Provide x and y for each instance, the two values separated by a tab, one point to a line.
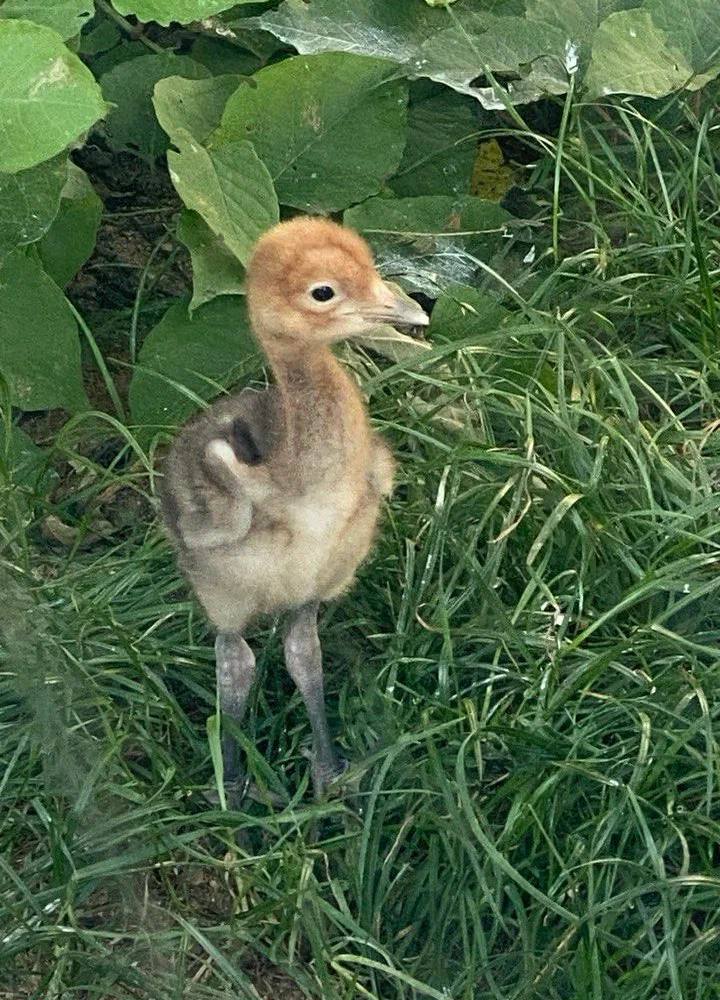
322	413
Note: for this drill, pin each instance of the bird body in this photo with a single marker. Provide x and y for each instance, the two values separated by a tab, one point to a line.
296	529
272	497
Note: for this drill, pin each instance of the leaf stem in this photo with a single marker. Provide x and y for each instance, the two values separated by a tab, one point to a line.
134	31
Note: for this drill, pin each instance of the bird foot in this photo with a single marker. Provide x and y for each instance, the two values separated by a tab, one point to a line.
326	774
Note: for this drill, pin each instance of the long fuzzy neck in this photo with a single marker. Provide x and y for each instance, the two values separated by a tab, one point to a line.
323	424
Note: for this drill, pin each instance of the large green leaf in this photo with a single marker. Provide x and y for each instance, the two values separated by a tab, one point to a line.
229	187
29	201
193	105
48	97
693	27
536	43
132	124
39	348
330	127
391	30
165	11
215	270
431	241
467	50
630	55
579	19
441	144
185	357
64	16
70	240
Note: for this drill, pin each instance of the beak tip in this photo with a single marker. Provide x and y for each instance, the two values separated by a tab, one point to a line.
409	313
396	307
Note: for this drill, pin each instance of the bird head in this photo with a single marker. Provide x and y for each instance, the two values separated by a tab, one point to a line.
314	281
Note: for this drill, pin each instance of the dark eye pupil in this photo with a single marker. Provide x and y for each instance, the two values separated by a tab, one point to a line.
323	293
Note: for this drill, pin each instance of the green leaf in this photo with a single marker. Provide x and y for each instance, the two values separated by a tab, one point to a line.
215	270
579	19
70	240
166	11
193	105
212	726
463	311
378	28
23	462
185	360
245	32
441	146
29	201
431	241
694	28
102	36
482	43
229	187
223	57
48	97
64	16
551	524
40	351
132	123
123	53
330	128
630	55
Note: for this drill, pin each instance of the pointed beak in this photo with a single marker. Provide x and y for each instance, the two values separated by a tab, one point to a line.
408	313
391	305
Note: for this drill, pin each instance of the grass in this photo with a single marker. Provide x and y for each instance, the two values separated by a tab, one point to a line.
525	675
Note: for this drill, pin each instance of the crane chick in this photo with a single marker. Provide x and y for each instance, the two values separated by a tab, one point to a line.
272	497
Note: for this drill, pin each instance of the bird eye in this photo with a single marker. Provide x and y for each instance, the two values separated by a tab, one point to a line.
323	293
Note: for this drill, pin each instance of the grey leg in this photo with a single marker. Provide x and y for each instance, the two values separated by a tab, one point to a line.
304	663
235	670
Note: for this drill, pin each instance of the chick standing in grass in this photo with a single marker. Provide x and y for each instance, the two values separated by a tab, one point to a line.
272	497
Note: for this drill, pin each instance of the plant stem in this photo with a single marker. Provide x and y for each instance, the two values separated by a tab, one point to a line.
558	169
133	31
138	296
99	361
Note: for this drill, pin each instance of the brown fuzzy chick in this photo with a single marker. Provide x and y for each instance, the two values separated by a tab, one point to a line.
272	497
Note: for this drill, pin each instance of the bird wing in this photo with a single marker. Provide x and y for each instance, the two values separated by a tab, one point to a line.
246	421
213	469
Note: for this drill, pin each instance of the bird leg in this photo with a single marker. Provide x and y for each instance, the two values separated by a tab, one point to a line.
303	659
235	671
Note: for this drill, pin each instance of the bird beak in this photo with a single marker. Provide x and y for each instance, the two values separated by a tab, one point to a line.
391	305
